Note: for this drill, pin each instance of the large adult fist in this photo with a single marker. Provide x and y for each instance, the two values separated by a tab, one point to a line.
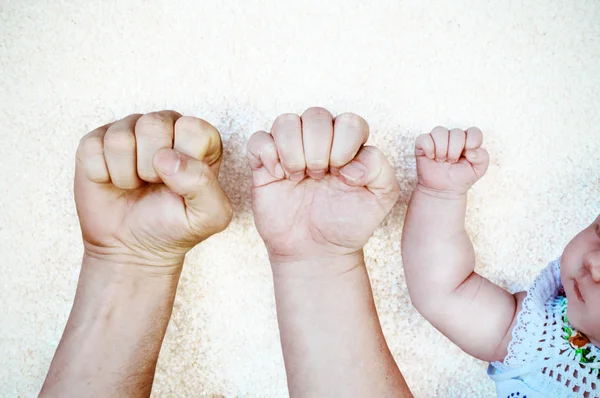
146	188
317	190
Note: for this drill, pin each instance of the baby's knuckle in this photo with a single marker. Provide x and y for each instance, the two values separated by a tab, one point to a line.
287	118
351	120
317	112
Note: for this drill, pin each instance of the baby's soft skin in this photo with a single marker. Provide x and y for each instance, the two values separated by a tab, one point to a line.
317	196
580	275
439	259
147	192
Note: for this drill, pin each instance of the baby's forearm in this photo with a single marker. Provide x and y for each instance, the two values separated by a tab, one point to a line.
113	337
332	341
436	250
439	265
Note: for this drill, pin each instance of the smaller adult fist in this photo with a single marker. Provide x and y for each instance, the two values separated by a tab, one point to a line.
146	188
318	191
450	162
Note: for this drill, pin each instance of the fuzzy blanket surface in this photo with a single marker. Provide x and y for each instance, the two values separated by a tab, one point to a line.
526	73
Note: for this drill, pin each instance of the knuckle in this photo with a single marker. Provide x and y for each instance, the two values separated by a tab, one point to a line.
194	123
119	140
352	120
317	112
90	145
287	119
155	120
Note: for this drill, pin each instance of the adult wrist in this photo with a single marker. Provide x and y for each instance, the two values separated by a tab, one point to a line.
315	266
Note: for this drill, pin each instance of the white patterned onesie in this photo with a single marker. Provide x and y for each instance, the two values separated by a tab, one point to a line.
547	357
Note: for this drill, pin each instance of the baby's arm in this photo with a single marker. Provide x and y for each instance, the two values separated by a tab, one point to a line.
438	256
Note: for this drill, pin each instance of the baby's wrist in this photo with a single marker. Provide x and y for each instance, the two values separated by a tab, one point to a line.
441	193
319	266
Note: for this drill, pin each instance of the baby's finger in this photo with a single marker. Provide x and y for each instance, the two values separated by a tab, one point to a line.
199	139
456	145
371	168
424	146
287	134
479	160
317	134
440	137
119	152
153	131
263	159
474	138
350	132
90	156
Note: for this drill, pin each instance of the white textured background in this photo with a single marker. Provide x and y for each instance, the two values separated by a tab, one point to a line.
527	73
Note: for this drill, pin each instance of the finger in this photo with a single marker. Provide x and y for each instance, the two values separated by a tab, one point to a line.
479	160
207	207
350	132
456	145
370	168
263	159
287	134
119	153
200	140
440	137
317	134
474	138
424	146
90	156
153	131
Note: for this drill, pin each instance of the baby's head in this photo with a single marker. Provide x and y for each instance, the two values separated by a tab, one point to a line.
580	275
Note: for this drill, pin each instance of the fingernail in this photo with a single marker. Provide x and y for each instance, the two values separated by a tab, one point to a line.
317	175
353	171
168	162
279	173
297	177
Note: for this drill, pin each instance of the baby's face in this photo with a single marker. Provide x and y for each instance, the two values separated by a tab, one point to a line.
580	274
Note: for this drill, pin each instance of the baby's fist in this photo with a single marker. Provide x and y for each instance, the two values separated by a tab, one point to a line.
450	162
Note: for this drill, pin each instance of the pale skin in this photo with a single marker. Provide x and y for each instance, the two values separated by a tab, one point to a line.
318	193
146	191
439	259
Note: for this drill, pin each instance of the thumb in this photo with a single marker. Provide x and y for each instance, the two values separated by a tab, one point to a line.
370	168
207	207
479	159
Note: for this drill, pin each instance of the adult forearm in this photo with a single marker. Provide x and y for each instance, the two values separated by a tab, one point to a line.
332	341
114	333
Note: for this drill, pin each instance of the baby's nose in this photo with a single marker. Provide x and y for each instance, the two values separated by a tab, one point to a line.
591	261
